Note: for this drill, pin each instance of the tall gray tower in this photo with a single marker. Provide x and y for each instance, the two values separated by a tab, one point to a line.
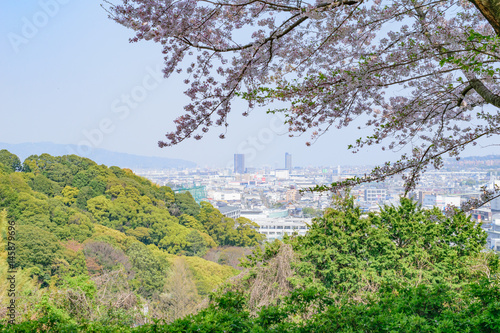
239	163
288	162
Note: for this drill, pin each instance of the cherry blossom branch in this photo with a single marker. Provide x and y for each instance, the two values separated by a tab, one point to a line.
485	93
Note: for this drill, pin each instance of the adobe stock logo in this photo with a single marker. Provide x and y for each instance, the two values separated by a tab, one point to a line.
31	26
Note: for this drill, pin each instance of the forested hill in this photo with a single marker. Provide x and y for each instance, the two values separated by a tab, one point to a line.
99	243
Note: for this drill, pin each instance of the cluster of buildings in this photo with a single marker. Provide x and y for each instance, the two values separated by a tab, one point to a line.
278	200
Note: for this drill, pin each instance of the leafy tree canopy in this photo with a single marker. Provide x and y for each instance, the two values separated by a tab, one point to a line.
422	74
96	244
35	247
404	245
9	160
403	270
187	204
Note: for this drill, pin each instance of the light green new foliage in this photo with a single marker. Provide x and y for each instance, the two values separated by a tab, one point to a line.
208	275
10	160
36	247
247	232
112	236
23	282
69	195
3	228
100	208
186	204
175	240
191	222
196	243
150	271
217	225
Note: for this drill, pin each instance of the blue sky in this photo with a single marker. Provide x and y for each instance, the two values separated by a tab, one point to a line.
67	76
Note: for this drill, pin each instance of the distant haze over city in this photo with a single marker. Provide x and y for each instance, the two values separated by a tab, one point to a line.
140	161
56	88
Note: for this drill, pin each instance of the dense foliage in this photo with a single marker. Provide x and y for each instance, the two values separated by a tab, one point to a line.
403	270
402	245
132	254
101	244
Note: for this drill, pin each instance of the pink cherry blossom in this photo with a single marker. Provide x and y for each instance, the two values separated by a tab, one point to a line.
424	71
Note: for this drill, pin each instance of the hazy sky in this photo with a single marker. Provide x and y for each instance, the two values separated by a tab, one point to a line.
66	71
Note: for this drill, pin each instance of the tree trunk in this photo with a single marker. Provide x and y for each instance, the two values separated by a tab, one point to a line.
491	11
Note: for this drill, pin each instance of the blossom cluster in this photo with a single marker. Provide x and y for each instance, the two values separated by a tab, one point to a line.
423	73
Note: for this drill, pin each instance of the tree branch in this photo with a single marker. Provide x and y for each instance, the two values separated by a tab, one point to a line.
464	92
485	93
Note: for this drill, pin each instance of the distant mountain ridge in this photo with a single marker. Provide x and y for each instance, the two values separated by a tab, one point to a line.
101	156
453	160
479	158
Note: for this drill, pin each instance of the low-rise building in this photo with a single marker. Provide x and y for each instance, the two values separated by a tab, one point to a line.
373	195
230	211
